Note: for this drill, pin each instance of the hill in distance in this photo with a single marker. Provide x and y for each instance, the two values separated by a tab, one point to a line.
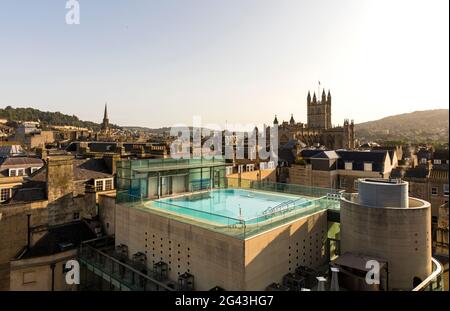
46	118
427	126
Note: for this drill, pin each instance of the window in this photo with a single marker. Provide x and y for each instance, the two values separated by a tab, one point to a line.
445	188
437	161
355	184
34	169
76	216
108	184
5	194
99	185
368	167
434	190
349	165
423	160
342	183
16	172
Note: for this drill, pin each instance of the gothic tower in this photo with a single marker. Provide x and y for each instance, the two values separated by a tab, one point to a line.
319	111
105	123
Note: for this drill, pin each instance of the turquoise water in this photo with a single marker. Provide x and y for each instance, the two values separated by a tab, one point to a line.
228	206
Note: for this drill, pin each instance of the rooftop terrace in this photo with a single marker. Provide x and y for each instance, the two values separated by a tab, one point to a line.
240	208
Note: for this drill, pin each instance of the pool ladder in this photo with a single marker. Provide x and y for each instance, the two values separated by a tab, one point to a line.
279	207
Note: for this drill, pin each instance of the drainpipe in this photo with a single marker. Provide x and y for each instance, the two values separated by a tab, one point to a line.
28	231
52	266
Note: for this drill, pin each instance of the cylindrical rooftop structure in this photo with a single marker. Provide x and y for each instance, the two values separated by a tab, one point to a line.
379	192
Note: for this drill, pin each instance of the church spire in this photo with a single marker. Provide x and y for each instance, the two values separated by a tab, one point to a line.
105	123
105	115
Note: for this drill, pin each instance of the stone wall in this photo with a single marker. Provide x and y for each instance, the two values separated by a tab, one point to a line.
305	175
14	232
217	259
35	274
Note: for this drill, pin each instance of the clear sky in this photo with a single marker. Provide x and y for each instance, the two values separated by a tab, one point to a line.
161	62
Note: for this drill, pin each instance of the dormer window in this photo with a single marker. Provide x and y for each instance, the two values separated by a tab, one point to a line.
34	169
104	184
367	167
13	172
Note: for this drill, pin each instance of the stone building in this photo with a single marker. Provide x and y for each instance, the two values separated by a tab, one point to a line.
62	192
429	181
338	169
318	129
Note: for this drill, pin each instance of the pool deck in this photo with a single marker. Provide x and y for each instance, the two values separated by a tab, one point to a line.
238	230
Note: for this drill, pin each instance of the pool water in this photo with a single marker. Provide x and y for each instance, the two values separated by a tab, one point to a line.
228	206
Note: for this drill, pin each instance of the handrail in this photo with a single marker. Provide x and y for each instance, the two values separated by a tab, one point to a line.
431	277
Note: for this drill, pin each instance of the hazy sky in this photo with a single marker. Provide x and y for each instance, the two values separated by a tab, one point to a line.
161	62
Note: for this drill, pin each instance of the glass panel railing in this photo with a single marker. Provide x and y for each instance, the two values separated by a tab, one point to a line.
301	201
98	262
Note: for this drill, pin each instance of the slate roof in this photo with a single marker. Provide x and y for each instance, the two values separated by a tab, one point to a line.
20	162
70	235
376	157
439	171
417	172
308	153
326	155
397	173
83	170
440	154
11	150
29	192
90	169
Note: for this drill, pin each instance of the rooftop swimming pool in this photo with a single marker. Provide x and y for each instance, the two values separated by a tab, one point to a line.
233	206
